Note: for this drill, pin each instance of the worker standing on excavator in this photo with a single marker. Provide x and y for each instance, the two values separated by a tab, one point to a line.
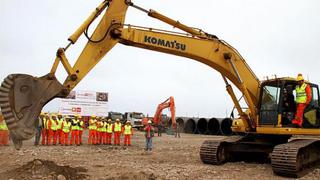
109	131
92	130
127	131
117	132
4	133
303	98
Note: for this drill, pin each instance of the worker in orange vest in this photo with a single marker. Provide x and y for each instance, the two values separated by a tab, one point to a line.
46	122
109	131
75	131
66	128
92	130
81	126
99	130
59	128
117	132
4	133
128	132
104	132
303	98
52	128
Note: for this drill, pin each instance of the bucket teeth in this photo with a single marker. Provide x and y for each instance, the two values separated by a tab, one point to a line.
4	105
4	84
12	125
10	77
10	121
3	89
8	115
4	94
5	110
4	99
8	81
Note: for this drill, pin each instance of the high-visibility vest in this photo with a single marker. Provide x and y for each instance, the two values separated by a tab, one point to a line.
99	126
301	95
92	124
81	126
109	128
66	126
117	127
45	123
127	130
53	125
3	126
59	123
75	127
104	127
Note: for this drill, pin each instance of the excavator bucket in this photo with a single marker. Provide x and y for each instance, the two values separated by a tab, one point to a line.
21	100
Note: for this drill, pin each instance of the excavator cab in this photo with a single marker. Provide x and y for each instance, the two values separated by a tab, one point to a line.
277	106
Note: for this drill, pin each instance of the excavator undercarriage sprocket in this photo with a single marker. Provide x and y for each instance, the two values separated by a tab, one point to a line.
21	100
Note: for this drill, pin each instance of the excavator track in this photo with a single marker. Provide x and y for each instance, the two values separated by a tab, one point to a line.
21	100
295	158
214	151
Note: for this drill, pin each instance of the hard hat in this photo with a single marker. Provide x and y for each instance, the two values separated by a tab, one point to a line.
109	120
127	122
300	77
149	122
42	113
93	116
117	120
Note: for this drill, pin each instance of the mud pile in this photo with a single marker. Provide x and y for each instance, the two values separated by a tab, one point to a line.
43	169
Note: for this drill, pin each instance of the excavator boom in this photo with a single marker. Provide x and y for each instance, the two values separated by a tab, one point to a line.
22	96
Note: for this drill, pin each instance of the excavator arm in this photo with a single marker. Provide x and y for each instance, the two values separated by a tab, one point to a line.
168	103
23	96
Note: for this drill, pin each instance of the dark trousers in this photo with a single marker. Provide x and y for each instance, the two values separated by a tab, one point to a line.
38	135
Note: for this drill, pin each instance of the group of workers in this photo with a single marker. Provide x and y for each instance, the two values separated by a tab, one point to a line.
100	132
55	129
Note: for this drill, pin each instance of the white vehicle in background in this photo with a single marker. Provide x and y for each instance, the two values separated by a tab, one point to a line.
135	118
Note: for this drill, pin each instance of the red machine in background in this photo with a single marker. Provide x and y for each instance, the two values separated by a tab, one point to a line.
169	103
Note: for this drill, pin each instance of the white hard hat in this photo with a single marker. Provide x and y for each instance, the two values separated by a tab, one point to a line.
149	122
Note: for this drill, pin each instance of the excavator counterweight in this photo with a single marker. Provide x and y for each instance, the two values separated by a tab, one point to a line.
21	100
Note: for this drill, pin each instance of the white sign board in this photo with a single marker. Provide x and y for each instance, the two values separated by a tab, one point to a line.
85	103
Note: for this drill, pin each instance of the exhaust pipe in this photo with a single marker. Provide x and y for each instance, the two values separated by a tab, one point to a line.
202	126
190	126
225	126
214	126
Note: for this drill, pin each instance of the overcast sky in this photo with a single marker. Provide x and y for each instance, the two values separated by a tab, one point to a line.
274	36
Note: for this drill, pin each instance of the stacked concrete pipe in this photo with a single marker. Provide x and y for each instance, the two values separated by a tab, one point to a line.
202	126
214	126
225	126
190	126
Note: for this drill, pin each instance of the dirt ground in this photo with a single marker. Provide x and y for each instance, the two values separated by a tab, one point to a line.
172	158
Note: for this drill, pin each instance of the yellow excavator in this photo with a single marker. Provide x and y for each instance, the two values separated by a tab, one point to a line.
263	129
